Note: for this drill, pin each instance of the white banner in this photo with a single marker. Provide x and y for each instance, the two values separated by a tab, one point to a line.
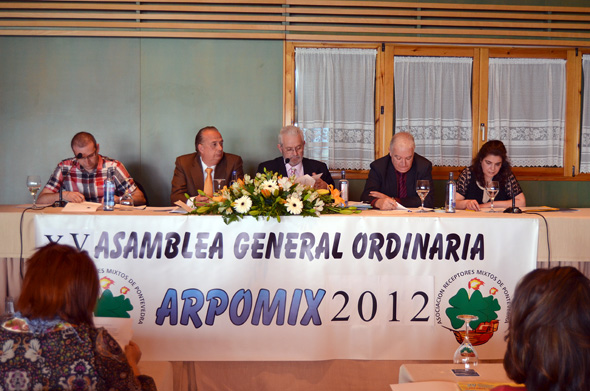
335	287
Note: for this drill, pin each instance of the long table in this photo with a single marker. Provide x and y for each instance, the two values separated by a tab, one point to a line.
566	244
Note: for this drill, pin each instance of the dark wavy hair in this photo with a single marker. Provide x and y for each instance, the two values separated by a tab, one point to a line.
60	281
496	148
549	332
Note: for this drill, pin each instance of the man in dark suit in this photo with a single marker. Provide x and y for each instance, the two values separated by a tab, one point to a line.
392	178
292	163
191	170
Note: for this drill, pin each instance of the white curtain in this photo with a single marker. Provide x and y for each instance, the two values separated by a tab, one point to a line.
526	109
433	103
335	95
585	156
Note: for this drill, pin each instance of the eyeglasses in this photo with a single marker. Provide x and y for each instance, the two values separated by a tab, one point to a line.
80	157
297	149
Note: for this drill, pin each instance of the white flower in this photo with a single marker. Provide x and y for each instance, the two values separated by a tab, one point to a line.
7	351
243	204
319	205
294	205
284	182
269	185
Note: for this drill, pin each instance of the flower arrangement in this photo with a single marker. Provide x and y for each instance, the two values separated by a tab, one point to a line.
270	195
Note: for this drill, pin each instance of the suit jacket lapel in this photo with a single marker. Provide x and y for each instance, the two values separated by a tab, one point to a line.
197	173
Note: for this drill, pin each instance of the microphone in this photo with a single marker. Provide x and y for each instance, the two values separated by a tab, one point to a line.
64	172
287	160
514	208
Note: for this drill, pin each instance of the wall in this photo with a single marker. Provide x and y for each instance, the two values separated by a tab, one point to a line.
144	100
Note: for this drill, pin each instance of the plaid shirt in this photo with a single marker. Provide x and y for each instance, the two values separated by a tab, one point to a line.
73	177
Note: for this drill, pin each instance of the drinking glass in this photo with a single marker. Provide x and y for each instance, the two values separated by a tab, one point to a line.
126	201
465	354
34	184
219	185
422	188
492	189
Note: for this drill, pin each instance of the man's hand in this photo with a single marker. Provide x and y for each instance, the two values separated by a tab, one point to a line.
386	203
73	196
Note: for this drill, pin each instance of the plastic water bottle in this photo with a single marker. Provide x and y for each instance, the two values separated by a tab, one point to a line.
450	195
343	187
109	192
234	178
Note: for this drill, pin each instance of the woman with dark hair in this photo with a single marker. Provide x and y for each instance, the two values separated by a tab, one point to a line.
490	164
51	342
549	332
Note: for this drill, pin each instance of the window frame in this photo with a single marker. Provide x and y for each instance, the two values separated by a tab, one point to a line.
385	105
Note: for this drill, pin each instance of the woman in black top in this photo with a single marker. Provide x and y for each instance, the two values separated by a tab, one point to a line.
490	164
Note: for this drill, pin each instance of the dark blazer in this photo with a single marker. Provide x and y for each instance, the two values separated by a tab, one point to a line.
382	178
309	167
188	174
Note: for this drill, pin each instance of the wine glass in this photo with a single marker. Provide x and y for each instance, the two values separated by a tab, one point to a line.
34	184
492	189
219	185
465	353
422	188
126	201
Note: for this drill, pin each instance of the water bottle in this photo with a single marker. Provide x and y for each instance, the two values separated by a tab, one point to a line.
343	187
109	192
450	195
234	178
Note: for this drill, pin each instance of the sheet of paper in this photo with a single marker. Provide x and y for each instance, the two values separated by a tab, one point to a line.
120	328
184	205
81	207
160	208
307	180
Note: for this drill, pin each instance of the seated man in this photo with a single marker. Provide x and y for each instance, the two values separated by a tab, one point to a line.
291	144
82	178
392	178
192	170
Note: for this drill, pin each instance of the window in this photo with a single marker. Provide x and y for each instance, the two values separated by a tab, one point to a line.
334	91
492	105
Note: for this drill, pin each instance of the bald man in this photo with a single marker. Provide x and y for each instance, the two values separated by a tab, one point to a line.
392	178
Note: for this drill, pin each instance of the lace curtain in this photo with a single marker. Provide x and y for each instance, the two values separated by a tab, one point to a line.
335	98
585	156
526	109
433	103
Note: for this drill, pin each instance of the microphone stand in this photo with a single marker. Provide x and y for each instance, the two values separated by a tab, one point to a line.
61	203
514	208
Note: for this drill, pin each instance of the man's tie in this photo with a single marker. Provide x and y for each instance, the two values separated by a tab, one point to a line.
208	182
292	171
403	191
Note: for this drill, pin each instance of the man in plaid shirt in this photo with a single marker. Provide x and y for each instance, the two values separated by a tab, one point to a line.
82	177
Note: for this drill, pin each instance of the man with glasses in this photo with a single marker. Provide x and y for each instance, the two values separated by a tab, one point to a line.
292	163
82	177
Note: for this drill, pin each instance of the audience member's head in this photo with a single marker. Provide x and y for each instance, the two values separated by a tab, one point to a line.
401	150
291	144
549	332
60	281
209	145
